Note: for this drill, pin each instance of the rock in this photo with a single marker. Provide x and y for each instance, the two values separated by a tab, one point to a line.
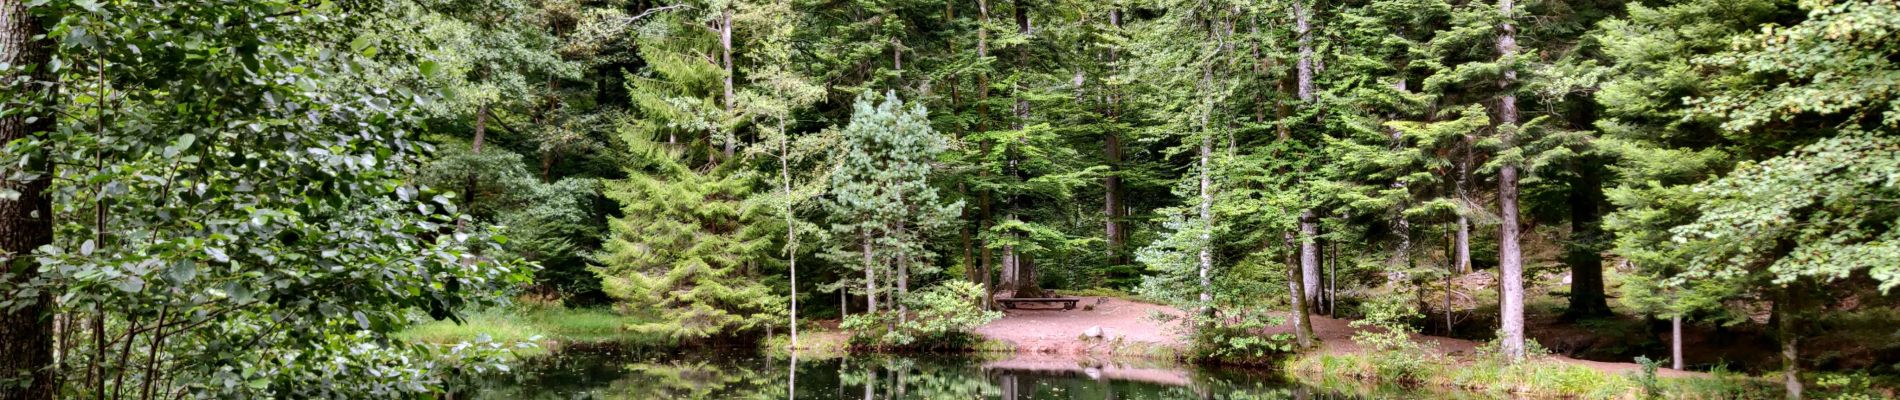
1093	331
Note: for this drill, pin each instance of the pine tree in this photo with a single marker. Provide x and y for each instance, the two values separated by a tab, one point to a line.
691	251
881	202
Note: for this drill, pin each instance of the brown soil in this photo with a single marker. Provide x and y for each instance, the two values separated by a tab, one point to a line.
1061	332
1054	331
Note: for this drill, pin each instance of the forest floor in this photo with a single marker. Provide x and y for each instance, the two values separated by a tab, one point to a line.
1129	327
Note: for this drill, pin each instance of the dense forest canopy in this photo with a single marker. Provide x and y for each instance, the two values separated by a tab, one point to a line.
238	198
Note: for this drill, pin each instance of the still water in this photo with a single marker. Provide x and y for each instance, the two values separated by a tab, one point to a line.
608	373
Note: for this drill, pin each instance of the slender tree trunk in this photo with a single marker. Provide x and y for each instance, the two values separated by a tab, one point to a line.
26	334
1309	251
982	124
1206	208
1463	245
791	230
1510	258
1302	320
1309	257
1207	222
1587	299
1786	330
1112	150
725	44
870	275
475	147
1332	283
1675	341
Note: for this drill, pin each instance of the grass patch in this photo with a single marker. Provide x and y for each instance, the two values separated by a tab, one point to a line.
547	326
1539	378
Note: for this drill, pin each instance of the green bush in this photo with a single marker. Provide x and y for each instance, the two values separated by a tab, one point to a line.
1394	354
1235	340
943	318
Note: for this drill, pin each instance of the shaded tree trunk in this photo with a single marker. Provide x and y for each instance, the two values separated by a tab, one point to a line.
26	334
1786	331
870	275
1462	247
1675	341
982	124
1309	257
1309	251
725	44
791	229
1112	150
1586	241
1510	258
1302	320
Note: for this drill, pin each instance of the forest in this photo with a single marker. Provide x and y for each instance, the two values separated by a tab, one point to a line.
363	198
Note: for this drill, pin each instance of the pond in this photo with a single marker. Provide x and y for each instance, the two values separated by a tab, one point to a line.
609	373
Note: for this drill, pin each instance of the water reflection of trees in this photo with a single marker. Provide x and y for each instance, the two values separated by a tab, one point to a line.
872	378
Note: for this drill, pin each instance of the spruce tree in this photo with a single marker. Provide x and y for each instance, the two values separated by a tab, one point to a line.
690	251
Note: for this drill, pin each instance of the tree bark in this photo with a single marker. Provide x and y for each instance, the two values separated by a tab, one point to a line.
1309	257
1309	251
1585	257
26	332
1207	223
1675	341
1023	273
1206	155
1510	258
1302	320
725	44
474	147
870	275
1463	245
1112	150
1786	312
791	228
983	125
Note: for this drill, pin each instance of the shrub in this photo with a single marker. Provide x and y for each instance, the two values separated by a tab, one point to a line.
1236	339
1395	356
943	318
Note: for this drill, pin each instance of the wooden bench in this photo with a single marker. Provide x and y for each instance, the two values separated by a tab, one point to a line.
1067	303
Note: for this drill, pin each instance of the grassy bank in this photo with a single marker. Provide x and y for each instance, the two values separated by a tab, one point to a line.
1539	378
547	326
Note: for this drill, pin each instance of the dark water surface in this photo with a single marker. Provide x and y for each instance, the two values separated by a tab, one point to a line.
608	373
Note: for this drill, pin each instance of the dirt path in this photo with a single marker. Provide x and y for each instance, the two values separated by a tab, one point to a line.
1053	331
1061	332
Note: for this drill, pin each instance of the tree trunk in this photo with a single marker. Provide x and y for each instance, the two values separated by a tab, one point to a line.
1675	341
791	228
1510	259
870	275
1463	249
725	44
1309	256
1207	223
1112	151
1302	320
1303	26
903	289
1207	197
1024	275
26	334
1309	251
983	125
1586	238
475	147
1785	331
